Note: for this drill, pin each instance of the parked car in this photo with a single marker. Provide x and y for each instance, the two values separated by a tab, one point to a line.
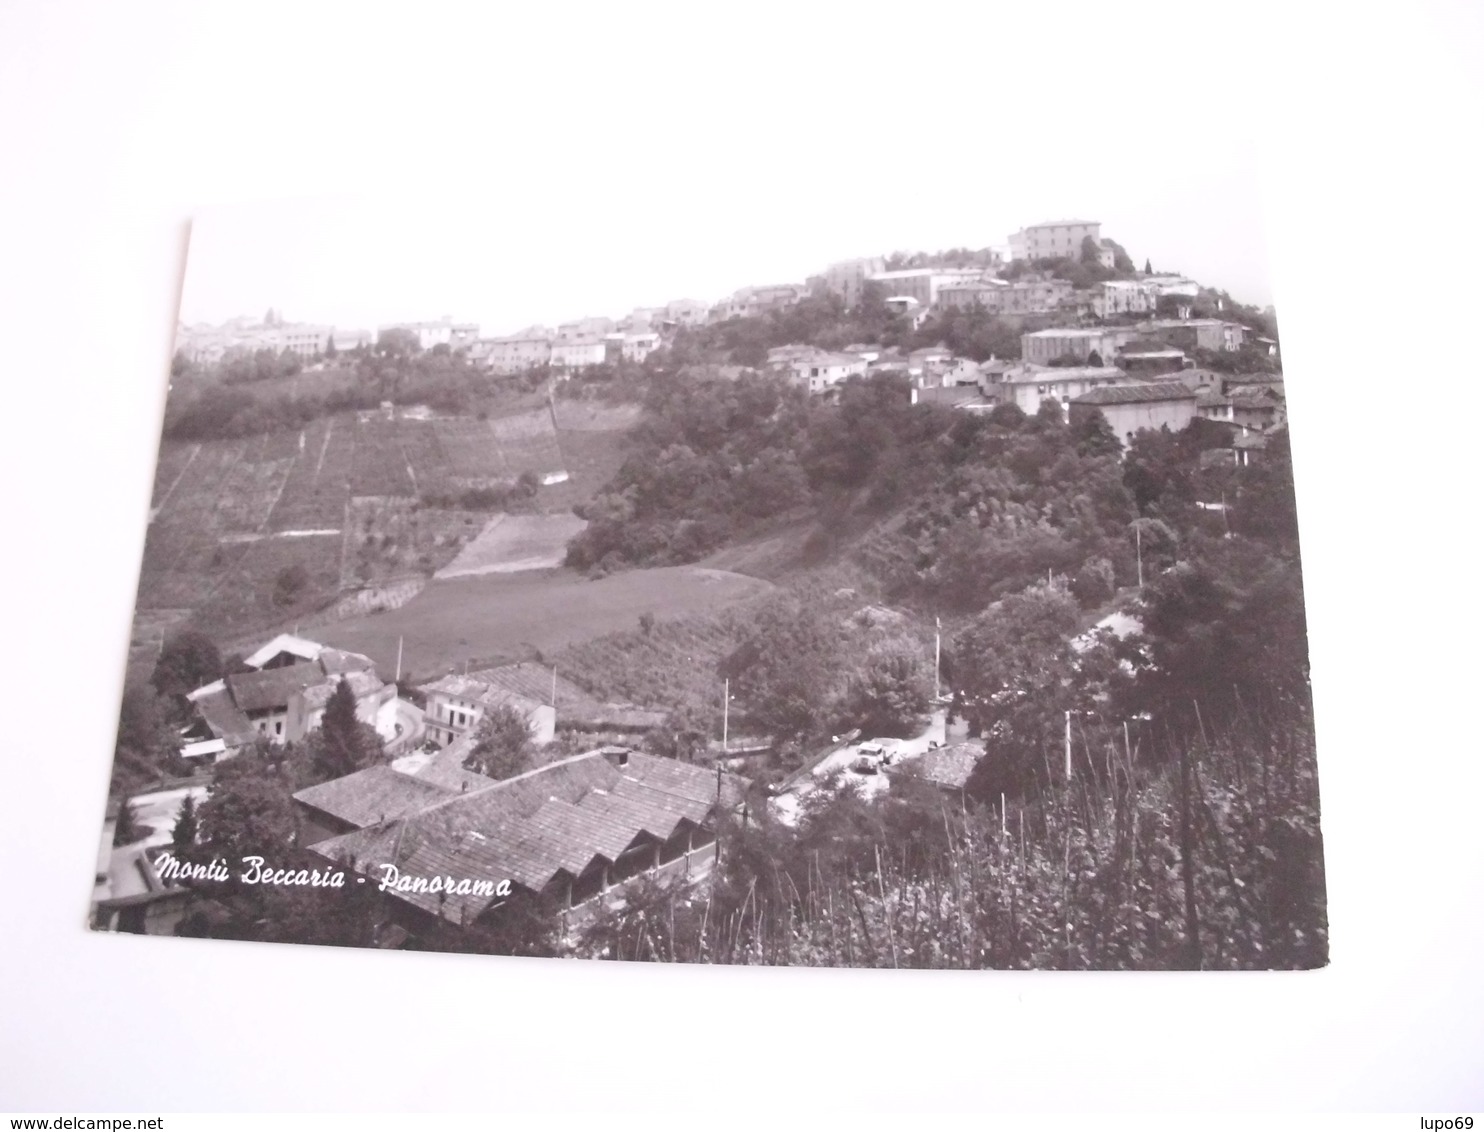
865	765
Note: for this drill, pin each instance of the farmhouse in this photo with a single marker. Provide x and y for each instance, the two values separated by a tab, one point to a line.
565	833
547	699
456	704
282	698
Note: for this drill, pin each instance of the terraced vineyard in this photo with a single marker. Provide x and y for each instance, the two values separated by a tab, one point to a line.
529	442
228	516
474	460
673	666
314	494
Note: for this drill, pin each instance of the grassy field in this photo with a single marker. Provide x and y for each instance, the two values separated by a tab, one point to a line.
510	543
515	615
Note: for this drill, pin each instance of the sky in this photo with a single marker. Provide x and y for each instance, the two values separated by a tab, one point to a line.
511	260
680	170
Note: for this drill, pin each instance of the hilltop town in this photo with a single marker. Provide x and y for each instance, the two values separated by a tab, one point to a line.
934	569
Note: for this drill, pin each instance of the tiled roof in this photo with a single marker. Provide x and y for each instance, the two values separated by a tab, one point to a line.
361	684
574	705
272	687
373	795
1255	399
338	661
1135	394
556	819
951	765
222	716
1037	375
446	768
284	642
483	692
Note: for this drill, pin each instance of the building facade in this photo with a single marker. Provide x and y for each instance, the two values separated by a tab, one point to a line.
1124	296
1028	386
282	698
519	352
1054	240
1042	346
922	284
578	353
442	332
457	704
816	370
1129	409
847	279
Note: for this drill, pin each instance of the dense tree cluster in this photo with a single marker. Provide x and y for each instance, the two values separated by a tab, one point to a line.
218	406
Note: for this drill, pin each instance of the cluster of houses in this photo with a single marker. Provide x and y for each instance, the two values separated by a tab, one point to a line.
281	698
566	832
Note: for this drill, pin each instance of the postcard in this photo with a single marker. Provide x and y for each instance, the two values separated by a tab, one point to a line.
936	607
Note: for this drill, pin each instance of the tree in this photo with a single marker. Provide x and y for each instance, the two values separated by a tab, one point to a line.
290	584
397	342
248	811
1015	667
890	694
183	835
1093	583
330	350
1147	269
343	744
502	743
646	623
1093	435
788	671
126	829
188	660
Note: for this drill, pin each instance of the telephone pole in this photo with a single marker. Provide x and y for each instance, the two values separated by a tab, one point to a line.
937	657
1069	746
726	707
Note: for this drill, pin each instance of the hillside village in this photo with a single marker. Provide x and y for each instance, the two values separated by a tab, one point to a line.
909	567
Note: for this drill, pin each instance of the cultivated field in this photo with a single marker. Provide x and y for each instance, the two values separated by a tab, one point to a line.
672	666
510	543
515	615
340	498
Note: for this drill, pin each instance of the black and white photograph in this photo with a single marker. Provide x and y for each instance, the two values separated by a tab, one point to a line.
847	563
937	607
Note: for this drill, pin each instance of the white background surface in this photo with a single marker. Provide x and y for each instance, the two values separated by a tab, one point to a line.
1360	126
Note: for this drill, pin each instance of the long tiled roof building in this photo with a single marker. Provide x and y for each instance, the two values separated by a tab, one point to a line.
565	832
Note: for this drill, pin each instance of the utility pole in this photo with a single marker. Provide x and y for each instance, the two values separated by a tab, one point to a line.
937	657
726	708
398	679
1069	746
1139	550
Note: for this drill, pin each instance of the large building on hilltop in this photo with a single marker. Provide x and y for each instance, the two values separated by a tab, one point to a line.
846	280
1054	239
